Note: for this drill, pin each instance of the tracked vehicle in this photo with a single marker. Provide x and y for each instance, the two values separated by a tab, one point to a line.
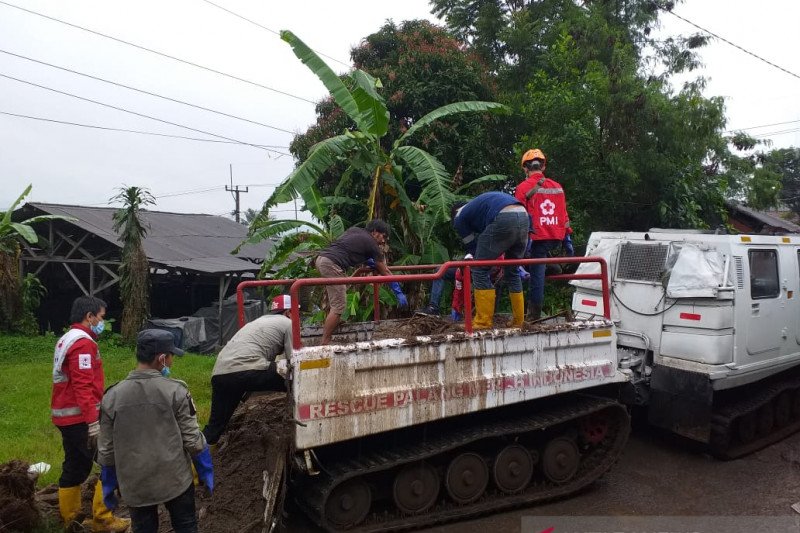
709	328
406	432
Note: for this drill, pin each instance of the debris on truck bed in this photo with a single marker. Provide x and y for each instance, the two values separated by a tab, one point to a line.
18	510
257	435
419	324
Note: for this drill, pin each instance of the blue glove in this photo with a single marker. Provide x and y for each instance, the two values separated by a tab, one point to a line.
204	467
108	479
401	298
569	250
455	316
524	275
370	263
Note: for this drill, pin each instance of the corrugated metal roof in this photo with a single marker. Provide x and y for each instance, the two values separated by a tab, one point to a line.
766	218
197	242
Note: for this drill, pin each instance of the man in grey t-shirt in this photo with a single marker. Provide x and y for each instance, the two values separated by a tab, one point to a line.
248	363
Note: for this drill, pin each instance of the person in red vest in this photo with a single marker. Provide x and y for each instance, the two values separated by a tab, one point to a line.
78	385
545	201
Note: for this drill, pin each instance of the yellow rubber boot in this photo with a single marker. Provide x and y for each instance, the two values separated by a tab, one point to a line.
484	309
69	505
102	519
517	308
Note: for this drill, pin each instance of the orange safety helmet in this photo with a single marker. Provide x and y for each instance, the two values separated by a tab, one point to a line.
532	154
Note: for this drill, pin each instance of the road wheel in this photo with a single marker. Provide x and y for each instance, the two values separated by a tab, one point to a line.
348	503
416	488
560	460
513	469
467	477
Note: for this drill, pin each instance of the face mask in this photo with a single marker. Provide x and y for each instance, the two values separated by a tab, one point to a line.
165	370
99	327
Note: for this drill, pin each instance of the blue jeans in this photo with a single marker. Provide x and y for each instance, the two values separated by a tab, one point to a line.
437	287
507	234
181	514
539	250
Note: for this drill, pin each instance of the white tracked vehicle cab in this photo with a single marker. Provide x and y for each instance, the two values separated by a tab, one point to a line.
708	328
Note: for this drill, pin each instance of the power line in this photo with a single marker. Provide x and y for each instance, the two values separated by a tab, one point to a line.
136	113
65	69
156	52
723	39
763	126
237	15
170	195
139	132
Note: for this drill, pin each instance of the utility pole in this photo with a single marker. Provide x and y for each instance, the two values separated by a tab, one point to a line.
236	191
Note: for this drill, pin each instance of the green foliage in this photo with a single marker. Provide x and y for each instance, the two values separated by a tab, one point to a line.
407	185
134	272
592	89
12	314
786	163
32	292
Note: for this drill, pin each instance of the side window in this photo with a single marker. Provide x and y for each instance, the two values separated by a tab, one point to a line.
764	274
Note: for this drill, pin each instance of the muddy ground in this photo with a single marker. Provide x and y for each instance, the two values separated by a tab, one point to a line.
18	509
663	475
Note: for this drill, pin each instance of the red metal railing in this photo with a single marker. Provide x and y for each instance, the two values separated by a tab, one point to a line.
376	281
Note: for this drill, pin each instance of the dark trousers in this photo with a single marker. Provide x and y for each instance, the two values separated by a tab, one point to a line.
228	390
181	514
78	457
539	250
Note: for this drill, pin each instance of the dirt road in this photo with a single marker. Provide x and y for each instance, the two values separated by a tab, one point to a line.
662	475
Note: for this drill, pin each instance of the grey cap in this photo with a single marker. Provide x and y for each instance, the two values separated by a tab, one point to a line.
155	341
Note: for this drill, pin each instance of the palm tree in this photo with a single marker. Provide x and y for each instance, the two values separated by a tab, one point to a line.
391	173
11	233
134	272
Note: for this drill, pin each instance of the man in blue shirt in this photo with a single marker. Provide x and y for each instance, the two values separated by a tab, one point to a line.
491	224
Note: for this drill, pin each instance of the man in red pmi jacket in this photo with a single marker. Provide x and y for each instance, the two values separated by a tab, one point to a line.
78	385
545	201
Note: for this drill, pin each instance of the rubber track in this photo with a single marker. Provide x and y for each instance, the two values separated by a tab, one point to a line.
723	423
315	492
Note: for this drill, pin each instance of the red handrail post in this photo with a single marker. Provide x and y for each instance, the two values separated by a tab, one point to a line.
606	291
466	286
294	292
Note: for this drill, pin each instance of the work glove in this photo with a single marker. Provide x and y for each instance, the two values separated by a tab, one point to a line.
94	431
401	298
569	250
455	316
524	275
204	467
468	257
370	264
108	480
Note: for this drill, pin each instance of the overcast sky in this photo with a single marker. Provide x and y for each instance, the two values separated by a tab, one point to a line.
75	165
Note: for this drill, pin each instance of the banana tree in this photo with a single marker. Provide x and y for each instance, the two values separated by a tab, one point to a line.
11	234
392	173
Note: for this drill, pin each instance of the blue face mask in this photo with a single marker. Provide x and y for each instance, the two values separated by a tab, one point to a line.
165	371
99	327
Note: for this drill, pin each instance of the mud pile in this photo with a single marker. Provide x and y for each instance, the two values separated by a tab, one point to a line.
259	431
18	511
419	324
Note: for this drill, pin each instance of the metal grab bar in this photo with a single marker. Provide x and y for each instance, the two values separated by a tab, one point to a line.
296	285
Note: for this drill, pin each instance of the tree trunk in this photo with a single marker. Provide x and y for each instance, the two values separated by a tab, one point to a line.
10	289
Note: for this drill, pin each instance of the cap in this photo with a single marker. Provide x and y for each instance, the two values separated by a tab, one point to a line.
281	303
155	341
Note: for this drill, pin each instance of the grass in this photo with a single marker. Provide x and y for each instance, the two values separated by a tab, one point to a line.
26	367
